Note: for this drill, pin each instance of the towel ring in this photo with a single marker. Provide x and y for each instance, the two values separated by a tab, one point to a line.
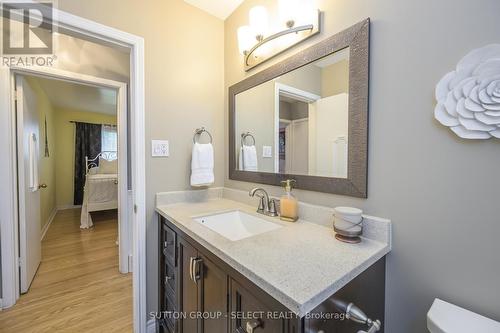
246	135
200	131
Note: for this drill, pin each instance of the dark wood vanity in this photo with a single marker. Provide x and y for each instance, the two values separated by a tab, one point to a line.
200	293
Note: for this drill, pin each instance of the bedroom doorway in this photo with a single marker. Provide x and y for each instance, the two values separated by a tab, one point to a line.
72	175
102	34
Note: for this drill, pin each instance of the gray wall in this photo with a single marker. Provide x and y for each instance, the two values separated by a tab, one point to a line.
86	57
293	110
441	192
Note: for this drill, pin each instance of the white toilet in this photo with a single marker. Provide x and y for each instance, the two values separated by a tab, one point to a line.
444	317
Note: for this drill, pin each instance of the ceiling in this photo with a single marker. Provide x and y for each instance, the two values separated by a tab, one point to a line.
219	8
68	95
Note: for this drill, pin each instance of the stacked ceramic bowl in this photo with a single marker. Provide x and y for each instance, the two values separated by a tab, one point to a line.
348	224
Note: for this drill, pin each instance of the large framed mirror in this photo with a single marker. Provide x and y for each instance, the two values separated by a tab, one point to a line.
306	118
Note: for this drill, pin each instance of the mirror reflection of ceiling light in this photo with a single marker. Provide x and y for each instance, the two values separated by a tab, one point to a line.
298	19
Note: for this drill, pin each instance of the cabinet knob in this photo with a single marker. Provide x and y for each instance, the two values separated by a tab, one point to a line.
252	325
168	278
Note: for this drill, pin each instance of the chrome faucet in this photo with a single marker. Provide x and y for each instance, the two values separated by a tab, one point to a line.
266	206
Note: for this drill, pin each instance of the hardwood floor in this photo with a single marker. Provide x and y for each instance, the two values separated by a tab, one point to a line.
78	287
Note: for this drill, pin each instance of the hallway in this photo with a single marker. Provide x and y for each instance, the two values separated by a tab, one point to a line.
77	287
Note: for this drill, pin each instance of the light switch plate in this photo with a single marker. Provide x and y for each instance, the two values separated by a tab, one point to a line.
160	148
267	151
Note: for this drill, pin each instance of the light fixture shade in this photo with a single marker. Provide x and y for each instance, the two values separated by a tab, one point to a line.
289	10
259	20
246	39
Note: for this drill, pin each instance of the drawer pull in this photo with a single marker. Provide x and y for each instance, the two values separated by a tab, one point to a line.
196	269
252	325
191	261
168	278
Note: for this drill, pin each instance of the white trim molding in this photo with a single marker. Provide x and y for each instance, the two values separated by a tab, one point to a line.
66	207
65	22
49	222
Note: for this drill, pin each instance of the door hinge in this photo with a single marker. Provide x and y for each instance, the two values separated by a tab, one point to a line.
135	209
19	262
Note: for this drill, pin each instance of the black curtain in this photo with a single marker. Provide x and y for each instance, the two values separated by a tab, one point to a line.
87	143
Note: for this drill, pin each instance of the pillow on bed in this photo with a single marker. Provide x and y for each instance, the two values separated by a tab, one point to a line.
93	171
108	167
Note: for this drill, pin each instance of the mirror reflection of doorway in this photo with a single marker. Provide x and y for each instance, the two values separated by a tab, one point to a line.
311	133
294	136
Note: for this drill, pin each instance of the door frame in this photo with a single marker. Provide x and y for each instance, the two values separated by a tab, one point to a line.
295	93
99	33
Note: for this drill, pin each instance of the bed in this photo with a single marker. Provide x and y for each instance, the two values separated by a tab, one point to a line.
101	187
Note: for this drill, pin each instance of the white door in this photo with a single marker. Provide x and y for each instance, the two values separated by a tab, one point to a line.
28	147
299	145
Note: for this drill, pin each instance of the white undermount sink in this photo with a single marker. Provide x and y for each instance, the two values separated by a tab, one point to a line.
236	225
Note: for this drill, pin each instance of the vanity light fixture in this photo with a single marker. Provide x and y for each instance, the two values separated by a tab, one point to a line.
298	19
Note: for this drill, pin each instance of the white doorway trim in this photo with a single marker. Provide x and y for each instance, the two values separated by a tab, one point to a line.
8	174
281	89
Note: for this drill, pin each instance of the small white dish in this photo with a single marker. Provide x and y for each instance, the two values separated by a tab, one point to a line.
351	219
347	211
345	225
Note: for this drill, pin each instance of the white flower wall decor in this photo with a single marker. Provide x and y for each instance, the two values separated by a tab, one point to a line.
469	97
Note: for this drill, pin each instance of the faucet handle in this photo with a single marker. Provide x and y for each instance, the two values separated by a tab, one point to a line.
262	203
272	207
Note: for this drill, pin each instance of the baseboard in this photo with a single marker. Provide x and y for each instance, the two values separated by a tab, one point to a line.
151	326
49	222
64	207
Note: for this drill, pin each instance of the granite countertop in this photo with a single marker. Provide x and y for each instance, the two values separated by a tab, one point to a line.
300	265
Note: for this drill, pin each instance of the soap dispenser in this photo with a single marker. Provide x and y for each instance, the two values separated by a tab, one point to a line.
289	205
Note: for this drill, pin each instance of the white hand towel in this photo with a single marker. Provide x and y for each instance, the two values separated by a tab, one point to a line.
202	165
33	163
250	158
240	160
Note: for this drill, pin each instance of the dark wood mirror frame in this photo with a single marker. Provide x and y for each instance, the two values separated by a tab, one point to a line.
357	39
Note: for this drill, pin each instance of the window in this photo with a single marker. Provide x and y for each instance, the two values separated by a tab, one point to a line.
109	141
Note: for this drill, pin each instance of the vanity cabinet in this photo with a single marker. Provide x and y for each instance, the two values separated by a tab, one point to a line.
209	296
245	303
204	290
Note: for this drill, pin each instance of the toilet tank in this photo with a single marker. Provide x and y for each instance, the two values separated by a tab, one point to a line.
445	317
